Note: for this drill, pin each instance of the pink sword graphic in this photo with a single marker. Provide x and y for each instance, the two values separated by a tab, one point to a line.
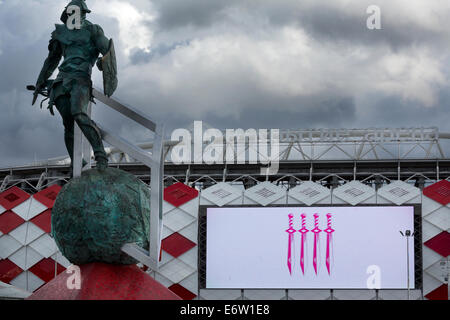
329	232
316	232
291	232
303	231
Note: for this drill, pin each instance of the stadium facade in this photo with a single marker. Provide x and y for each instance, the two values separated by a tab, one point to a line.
316	167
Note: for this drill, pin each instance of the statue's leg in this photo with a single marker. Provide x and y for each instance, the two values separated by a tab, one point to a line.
79	102
63	106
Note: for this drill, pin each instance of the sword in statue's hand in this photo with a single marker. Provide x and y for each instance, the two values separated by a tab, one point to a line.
35	94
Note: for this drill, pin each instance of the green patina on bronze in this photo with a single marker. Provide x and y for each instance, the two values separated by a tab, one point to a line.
71	91
97	213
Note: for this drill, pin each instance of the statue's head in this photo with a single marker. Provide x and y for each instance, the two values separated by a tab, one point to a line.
79	3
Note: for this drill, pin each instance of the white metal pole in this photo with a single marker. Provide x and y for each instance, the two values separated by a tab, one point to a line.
77	151
407	262
86	146
448	280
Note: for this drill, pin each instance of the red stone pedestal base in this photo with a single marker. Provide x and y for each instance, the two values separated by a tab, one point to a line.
101	281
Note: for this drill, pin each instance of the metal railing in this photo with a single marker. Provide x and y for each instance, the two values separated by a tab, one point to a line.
154	160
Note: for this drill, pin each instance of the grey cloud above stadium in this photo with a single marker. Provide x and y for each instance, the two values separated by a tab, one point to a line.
239	64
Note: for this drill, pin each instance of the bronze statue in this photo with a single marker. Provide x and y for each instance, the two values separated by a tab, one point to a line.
71	91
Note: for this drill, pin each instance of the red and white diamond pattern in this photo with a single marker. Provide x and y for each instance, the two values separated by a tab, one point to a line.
439	192
190	283
440	218
178	264
436	239
12	197
27	281
430	284
438	271
8	245
28	254
29	257
429	231
2	209
429	257
45	245
29	209
26	233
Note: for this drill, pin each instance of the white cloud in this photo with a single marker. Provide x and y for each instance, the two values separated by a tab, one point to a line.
431	15
211	71
133	23
414	77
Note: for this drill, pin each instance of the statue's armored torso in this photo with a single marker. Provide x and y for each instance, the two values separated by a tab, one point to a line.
78	49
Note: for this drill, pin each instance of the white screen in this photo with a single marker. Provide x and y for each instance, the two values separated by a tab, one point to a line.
247	247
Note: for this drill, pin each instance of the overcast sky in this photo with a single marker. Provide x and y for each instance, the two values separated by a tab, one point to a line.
238	64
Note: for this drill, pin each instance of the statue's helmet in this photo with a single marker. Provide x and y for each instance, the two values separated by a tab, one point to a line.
80	3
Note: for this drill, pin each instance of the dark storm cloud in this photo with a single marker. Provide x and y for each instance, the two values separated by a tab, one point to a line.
331	24
320	19
392	111
256	107
180	76
200	13
308	112
20	64
26	132
303	112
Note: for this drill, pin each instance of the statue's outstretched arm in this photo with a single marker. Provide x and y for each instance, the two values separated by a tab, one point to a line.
50	64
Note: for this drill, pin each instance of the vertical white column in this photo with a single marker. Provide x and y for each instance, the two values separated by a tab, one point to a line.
77	151
81	148
157	174
86	145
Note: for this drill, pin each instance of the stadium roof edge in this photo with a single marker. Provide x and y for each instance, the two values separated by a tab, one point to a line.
321	144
